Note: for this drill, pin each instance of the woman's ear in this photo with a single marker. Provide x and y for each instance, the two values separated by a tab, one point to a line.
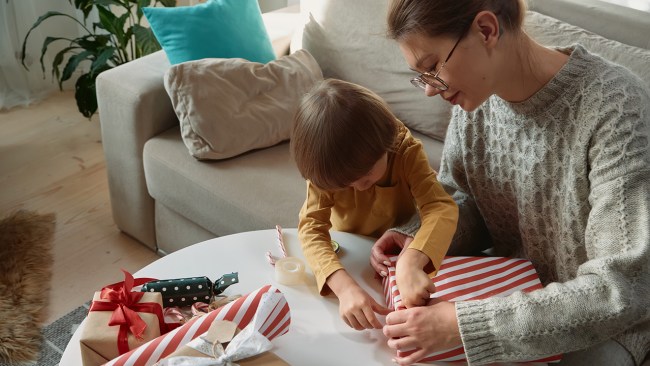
488	26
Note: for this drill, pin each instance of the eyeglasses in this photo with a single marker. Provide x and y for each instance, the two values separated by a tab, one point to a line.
426	78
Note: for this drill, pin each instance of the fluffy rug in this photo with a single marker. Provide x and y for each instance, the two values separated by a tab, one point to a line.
25	272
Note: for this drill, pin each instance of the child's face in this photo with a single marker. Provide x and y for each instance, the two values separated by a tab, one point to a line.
372	176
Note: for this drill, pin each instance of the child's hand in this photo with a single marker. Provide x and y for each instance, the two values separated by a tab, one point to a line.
413	282
391	242
356	307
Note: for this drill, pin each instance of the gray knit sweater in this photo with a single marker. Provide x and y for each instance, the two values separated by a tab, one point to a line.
562	179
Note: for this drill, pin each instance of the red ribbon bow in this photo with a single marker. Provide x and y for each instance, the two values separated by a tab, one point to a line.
125	306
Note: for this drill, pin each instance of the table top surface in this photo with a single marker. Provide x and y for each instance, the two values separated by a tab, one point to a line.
317	335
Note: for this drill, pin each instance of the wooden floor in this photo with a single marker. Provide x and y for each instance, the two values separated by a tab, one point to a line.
51	160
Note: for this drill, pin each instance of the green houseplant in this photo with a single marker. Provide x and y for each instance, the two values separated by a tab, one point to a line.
117	38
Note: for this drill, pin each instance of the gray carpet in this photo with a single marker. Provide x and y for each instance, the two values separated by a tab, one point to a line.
56	337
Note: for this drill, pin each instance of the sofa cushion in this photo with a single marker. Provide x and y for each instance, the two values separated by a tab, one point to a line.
348	39
552	32
257	190
217	28
229	106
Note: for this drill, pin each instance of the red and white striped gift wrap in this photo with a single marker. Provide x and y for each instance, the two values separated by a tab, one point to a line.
240	311
471	278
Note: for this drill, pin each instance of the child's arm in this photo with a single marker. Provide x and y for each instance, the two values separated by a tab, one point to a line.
313	232
439	216
414	283
356	307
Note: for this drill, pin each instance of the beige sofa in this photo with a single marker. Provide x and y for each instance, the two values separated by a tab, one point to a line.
167	200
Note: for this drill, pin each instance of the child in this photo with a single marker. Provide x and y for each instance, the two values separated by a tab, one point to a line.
366	173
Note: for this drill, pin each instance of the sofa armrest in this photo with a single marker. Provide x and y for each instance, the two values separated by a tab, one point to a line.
133	107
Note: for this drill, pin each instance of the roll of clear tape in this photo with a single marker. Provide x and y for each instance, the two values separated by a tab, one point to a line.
289	271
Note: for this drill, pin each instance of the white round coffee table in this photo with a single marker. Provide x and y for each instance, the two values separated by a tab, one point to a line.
317	335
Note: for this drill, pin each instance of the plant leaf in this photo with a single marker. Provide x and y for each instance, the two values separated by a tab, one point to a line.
121	22
86	6
86	95
102	60
111	22
97	25
117	3
72	64
145	41
93	42
168	3
40	20
142	4
56	72
46	43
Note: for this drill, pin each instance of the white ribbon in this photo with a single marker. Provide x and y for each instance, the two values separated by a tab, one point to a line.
248	343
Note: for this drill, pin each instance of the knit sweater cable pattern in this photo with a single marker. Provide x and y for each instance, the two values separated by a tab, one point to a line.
561	179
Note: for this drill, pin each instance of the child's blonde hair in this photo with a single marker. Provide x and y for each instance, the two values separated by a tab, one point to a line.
340	131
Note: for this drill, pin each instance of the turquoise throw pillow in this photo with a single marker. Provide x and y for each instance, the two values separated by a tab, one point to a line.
215	29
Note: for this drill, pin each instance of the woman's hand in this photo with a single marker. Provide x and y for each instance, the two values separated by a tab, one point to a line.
356	307
428	328
390	243
413	282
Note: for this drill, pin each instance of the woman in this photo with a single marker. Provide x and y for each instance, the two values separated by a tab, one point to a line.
547	156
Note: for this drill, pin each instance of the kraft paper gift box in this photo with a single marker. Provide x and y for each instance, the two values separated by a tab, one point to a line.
471	278
120	320
266	305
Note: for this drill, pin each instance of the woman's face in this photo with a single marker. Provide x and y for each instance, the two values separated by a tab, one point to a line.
467	72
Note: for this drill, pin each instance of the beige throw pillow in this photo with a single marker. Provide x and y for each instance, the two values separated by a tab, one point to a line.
229	106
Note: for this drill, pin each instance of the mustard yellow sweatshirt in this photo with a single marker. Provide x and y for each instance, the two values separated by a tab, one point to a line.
408	186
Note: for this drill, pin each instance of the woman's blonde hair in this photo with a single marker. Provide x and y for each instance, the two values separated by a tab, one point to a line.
449	17
340	131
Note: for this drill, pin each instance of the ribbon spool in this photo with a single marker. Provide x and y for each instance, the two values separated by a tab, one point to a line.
289	271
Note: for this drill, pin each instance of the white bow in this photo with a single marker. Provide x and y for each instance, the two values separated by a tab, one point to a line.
248	343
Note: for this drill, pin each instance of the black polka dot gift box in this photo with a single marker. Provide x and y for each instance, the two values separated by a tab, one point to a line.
187	291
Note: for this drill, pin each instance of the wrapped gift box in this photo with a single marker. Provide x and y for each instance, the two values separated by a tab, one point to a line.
187	291
471	278
181	291
275	319
119	315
